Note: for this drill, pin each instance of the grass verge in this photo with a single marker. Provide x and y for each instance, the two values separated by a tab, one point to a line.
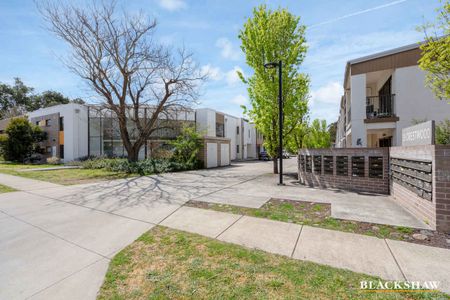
319	215
169	264
5	189
63	176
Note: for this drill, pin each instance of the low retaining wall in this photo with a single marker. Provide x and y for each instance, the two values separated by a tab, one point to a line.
416	177
356	169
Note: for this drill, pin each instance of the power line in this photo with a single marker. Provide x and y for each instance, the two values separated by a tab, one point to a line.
357	13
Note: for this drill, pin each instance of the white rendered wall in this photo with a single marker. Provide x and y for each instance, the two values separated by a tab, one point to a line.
251	150
413	100
75	128
358	112
230	132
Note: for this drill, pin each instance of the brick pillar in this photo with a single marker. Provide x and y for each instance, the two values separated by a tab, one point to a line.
441	182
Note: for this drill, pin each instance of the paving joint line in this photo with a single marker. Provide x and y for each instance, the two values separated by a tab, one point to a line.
170	214
395	259
56	236
217	237
92	208
228	186
296	242
66	277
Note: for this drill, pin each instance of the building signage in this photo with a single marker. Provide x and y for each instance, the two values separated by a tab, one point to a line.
420	134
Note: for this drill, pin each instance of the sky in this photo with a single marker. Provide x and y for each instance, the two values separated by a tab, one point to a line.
337	31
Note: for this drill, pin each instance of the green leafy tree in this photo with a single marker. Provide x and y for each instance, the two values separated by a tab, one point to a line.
332	128
297	137
186	147
318	135
47	99
17	99
435	58
20	140
271	36
14	99
443	133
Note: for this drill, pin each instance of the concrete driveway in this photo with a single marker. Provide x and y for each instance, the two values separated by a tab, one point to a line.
56	241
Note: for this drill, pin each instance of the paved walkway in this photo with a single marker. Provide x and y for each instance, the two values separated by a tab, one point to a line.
56	241
25	184
388	259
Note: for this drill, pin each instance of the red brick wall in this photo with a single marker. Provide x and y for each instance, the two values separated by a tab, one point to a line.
436	212
349	182
441	187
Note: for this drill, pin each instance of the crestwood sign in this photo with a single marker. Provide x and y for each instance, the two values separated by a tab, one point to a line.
420	134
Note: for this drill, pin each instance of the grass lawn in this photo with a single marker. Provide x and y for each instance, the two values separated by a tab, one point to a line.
65	176
5	189
319	215
169	264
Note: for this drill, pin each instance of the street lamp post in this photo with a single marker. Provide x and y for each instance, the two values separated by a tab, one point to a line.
271	65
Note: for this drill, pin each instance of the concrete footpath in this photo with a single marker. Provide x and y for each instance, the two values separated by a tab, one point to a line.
388	259
56	241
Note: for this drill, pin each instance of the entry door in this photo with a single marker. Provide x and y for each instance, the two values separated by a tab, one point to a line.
385	142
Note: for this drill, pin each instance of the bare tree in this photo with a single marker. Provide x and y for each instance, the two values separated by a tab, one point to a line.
115	54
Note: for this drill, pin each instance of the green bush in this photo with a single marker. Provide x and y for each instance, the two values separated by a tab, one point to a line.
186	147
20	140
443	133
142	167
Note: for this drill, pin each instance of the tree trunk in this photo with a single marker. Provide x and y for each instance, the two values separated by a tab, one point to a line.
133	154
275	165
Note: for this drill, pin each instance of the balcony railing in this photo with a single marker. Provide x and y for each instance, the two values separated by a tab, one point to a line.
380	106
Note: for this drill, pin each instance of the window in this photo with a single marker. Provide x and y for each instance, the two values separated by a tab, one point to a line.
48	149
237	148
61	151
37	123
48	122
237	130
249	133
220	130
61	123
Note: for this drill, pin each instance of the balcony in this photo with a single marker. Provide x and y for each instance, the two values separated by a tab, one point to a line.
380	109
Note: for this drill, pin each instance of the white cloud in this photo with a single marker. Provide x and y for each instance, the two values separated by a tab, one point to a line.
213	73
232	77
330	93
172	5
227	49
239	100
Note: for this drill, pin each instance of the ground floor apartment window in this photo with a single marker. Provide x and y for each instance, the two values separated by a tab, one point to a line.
105	138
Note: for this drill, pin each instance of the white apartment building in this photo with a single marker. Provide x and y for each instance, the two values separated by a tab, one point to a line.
384	93
75	131
245	140
67	130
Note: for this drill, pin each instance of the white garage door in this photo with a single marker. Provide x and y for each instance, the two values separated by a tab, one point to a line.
211	153
224	154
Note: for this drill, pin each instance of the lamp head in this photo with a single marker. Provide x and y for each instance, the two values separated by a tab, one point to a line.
270	65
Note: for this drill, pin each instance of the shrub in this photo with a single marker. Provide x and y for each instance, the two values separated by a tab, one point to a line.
186	147
142	167
443	133
21	140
